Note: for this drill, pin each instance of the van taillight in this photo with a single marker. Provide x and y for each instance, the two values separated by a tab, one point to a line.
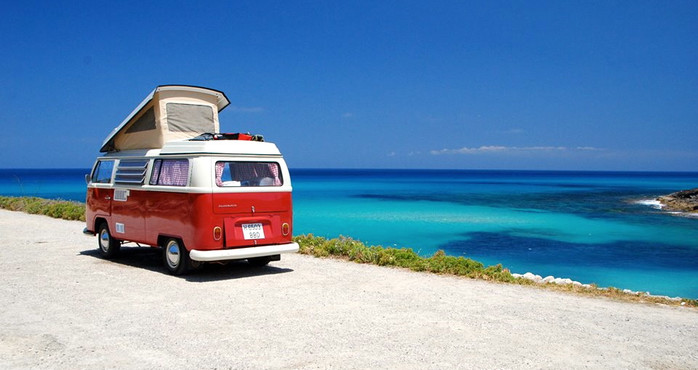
217	233
285	228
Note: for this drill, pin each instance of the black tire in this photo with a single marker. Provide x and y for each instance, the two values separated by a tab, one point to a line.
195	265
108	246
176	257
259	261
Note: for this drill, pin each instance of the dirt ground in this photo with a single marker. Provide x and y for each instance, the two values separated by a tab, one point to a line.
64	307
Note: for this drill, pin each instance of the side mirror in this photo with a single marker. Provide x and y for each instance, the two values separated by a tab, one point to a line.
87	179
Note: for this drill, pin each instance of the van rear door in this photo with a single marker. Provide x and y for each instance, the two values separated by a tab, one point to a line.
258	223
255	203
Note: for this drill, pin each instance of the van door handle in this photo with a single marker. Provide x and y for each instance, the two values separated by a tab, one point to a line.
107	198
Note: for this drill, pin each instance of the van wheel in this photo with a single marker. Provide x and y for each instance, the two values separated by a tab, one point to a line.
176	257
259	261
108	246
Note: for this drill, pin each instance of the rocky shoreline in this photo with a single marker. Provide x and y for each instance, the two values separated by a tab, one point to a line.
681	201
565	281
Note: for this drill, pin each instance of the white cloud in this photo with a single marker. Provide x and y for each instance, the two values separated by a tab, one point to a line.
490	149
347	115
589	148
466	150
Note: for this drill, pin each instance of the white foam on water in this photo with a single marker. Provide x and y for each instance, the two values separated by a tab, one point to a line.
650	203
658	205
685	214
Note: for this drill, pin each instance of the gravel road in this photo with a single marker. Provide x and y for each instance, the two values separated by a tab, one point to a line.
64	307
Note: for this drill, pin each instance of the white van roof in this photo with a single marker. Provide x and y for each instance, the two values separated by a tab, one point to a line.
241	148
170	112
231	147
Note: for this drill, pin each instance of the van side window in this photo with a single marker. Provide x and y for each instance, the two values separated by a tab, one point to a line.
170	172
102	172
248	174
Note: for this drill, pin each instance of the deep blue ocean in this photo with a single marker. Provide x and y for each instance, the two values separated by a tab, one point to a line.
593	227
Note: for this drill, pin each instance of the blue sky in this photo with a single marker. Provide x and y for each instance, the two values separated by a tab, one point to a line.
566	85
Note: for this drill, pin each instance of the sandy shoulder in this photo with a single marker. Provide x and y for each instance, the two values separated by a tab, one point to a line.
63	307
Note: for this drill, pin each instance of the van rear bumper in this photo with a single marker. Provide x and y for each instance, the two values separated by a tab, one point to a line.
242	253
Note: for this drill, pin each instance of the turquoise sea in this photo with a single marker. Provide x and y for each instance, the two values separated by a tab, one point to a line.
593	227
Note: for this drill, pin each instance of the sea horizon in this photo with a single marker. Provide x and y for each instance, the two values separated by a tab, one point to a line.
688	172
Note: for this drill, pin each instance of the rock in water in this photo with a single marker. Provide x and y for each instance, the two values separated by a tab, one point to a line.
681	201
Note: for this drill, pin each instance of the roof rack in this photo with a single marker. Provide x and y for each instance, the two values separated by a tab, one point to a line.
227	136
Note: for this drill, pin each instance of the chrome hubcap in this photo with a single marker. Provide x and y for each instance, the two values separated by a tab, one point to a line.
173	254
104	240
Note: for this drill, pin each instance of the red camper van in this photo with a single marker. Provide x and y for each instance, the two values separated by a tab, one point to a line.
168	179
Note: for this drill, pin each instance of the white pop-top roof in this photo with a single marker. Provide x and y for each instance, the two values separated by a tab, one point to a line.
170	112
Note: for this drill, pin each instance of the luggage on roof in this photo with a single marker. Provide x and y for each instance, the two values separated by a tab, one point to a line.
228	136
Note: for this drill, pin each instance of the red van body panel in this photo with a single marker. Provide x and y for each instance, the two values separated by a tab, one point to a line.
235	203
97	204
148	215
272	210
130	215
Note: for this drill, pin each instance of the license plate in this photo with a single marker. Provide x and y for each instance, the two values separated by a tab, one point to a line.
252	231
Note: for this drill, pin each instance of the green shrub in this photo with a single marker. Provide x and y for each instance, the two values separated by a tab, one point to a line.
63	209
440	263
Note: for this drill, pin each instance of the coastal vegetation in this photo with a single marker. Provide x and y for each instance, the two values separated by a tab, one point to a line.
349	249
440	263
64	209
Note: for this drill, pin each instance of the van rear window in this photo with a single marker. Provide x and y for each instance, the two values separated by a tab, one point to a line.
248	174
170	172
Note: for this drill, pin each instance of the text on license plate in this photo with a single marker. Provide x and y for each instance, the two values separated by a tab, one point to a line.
252	231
